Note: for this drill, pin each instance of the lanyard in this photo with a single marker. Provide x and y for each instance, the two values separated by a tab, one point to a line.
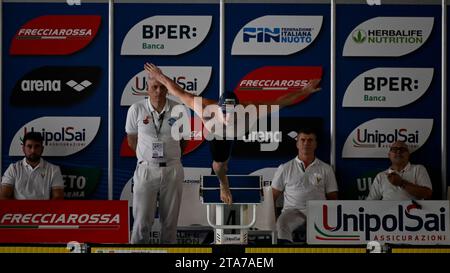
161	119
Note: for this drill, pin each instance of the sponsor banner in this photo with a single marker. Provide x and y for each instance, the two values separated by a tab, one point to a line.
80	183
166	35
62	135
268	83
192	79
55	86
55	35
373	138
363	184
270	142
62	221
388	36
388	87
394	222
190	145
276	35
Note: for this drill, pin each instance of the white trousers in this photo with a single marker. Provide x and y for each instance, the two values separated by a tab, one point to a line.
148	182
288	221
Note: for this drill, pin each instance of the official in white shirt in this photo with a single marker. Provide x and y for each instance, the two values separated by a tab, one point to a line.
403	180
159	169
302	179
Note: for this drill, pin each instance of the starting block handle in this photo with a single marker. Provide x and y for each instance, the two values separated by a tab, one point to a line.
231	226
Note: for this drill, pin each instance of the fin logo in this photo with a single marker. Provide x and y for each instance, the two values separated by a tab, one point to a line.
63	136
55	35
388	36
276	35
166	35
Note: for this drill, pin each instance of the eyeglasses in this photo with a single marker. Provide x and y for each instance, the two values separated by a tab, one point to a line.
398	149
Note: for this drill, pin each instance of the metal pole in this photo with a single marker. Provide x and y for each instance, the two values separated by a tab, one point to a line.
333	86
444	99
110	99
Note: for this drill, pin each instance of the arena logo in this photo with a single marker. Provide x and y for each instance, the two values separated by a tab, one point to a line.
62	135
193	79
166	35
56	86
404	219
276	35
388	87
388	36
55	35
267	84
373	138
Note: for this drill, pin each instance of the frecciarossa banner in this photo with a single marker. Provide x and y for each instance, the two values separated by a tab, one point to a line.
55	35
62	221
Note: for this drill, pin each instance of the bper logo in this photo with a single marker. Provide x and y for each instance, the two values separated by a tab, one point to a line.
62	135
388	87
55	86
193	79
55	35
276	35
166	35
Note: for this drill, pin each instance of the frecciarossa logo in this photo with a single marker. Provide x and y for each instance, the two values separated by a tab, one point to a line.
56	86
55	35
268	83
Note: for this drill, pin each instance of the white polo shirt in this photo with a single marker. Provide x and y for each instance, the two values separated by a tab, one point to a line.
301	185
141	122
382	189
33	184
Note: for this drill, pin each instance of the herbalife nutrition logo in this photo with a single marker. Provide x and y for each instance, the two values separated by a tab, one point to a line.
359	36
388	36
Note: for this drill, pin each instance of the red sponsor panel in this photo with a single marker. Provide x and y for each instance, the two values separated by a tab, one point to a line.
197	138
55	35
268	83
62	221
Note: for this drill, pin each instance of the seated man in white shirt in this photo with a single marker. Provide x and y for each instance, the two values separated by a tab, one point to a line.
32	178
302	179
403	180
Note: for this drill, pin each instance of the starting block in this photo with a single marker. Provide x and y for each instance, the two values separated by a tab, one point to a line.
246	191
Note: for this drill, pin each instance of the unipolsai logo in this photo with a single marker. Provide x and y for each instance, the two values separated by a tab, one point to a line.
62	135
373	138
193	79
